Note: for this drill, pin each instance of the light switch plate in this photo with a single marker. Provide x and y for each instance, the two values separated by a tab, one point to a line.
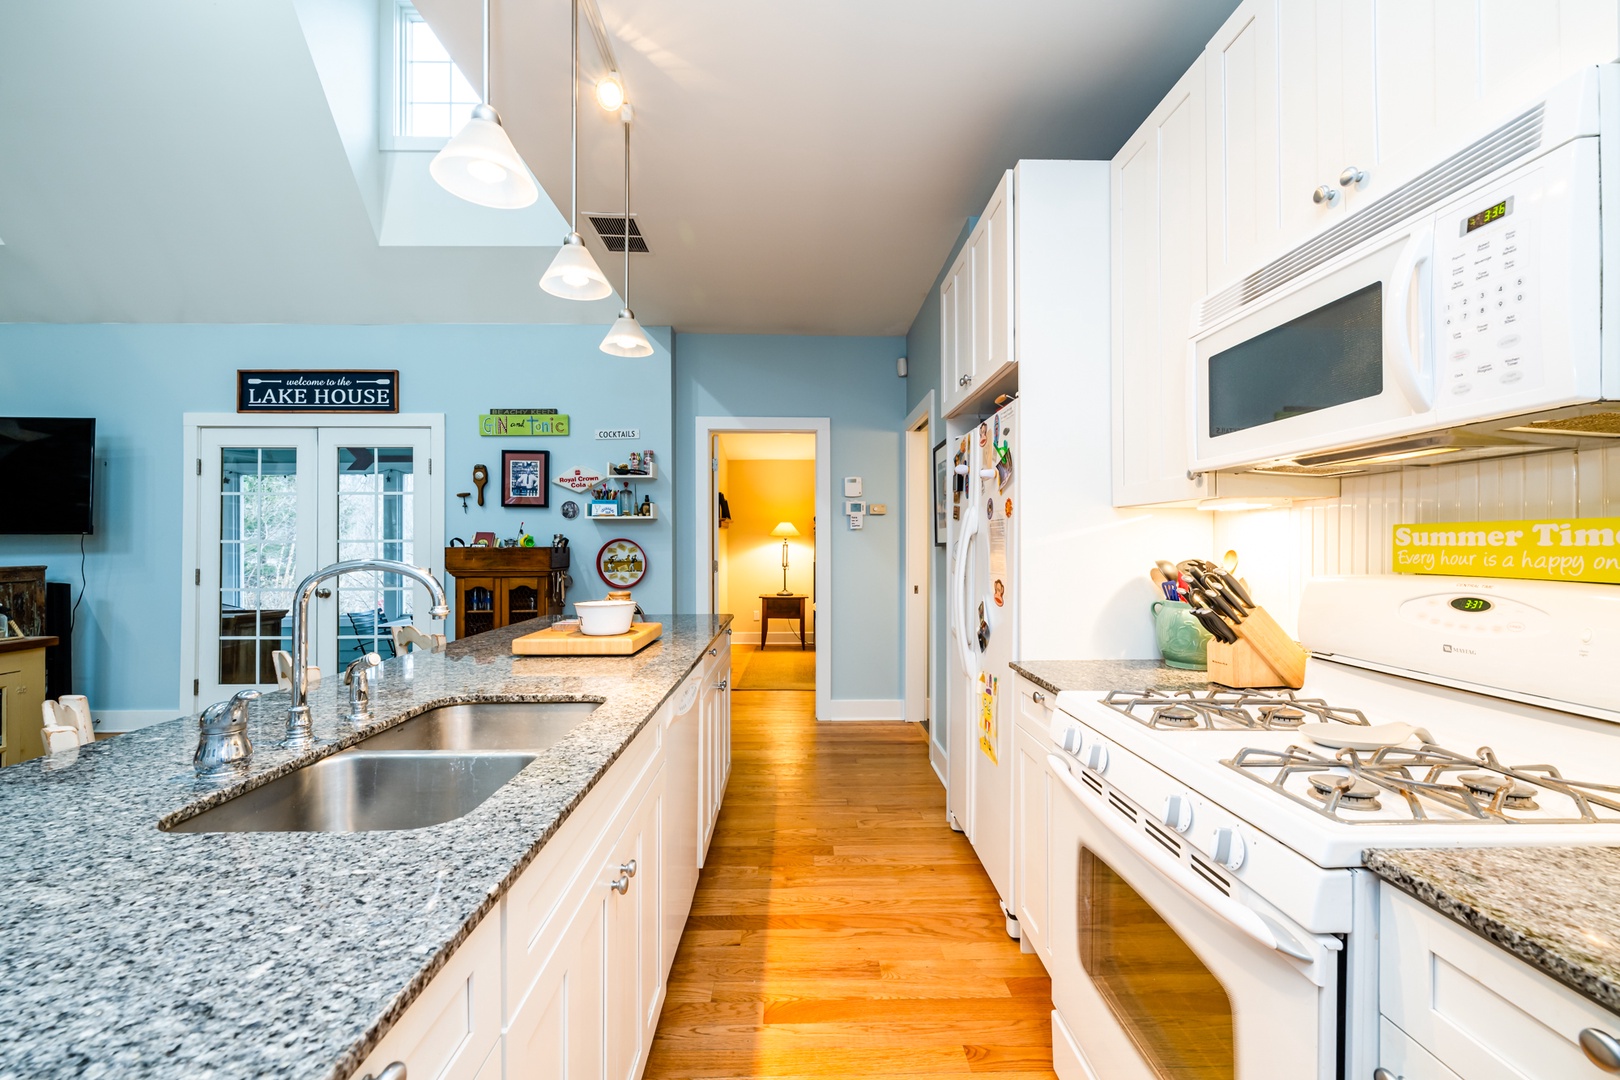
878	509
852	487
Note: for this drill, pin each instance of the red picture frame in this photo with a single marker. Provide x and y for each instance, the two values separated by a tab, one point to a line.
526	478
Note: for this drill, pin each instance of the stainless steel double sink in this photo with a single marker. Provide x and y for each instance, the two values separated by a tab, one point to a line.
431	769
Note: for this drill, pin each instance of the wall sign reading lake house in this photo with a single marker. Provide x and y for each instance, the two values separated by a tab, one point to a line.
362	391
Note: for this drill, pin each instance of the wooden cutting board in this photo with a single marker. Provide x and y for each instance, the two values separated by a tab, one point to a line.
568	641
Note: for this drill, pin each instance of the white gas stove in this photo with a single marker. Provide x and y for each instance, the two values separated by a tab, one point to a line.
1436	712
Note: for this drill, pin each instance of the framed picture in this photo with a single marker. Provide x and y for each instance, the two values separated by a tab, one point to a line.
524	477
942	493
622	563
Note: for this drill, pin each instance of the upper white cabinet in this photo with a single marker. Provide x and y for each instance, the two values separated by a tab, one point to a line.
976	310
1316	107
1158	275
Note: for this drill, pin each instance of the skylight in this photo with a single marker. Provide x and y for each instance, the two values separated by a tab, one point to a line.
435	98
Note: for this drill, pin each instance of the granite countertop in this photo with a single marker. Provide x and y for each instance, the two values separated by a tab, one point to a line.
133	952
1056	676
1557	909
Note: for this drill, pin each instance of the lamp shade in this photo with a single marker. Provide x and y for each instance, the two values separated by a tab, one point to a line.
573	273
785	528
482	166
626	338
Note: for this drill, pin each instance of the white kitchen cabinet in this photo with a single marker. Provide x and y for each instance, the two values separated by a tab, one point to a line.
633	973
977	306
1032	806
1157	182
454	1025
1481	1013
716	741
683	747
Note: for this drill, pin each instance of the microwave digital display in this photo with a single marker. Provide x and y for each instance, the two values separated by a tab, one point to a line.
1471	603
1486	216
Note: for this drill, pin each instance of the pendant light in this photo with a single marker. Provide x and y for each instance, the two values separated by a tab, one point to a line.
625	337
573	274
480	164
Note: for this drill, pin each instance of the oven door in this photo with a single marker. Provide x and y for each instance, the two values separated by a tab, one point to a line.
1346	357
1157	975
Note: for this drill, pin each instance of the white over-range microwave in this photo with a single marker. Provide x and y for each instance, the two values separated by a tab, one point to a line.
1462	315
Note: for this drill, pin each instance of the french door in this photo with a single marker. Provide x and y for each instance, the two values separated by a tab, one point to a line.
271	506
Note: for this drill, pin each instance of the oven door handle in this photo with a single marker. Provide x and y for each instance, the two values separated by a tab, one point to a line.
1408	365
1267	931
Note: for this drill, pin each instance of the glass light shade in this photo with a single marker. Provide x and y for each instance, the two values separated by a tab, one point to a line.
574	275
626	338
481	165
610	92
785	529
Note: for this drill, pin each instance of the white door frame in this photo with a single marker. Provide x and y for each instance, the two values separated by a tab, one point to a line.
703	516
192	423
918	559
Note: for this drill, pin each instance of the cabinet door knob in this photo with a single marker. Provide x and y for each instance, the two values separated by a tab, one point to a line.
1324	194
621	886
628	869
1382	1073
395	1071
1602	1049
326	594
1352	175
1037	697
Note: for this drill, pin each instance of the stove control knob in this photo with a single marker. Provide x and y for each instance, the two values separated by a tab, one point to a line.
1178	813
1069	736
1096	757
1229	849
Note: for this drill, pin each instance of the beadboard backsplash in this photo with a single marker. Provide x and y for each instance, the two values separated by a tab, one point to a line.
1281	549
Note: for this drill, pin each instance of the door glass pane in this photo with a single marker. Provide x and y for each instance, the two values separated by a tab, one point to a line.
1175	1011
1331	356
258	519
376	520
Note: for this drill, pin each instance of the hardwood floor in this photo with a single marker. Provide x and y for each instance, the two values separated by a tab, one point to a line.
840	928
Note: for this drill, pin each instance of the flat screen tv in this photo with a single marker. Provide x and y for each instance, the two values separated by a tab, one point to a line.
47	466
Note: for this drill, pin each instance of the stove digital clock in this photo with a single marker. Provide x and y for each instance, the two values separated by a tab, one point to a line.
1471	604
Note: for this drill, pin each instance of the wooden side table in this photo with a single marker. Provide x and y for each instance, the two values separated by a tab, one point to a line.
772	606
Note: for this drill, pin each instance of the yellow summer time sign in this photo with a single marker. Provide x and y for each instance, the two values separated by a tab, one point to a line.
1545	549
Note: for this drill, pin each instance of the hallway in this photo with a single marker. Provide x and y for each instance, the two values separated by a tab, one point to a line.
840	928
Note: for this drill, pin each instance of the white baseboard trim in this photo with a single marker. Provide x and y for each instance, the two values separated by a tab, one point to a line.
109	720
865	709
778	637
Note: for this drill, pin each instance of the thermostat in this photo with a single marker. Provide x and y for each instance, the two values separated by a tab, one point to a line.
852	487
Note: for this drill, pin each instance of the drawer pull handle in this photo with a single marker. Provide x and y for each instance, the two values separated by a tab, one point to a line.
714	652
628	869
395	1071
1325	194
1602	1049
1037	697
1382	1073
621	886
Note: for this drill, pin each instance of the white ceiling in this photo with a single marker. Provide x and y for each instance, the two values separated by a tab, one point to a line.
797	169
767	446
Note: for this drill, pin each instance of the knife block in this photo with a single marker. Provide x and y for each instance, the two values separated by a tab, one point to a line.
1263	656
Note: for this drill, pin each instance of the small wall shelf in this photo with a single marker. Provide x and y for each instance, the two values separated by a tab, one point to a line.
625	517
634	478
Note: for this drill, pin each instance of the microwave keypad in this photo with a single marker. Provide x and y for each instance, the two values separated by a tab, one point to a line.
1487	309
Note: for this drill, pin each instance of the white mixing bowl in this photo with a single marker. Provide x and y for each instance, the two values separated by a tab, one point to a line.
604	618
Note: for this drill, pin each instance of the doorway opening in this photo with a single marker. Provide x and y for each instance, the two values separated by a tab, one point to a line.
924	532
266	504
764	555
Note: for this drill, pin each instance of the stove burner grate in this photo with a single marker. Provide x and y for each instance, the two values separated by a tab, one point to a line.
1425	779
1227	710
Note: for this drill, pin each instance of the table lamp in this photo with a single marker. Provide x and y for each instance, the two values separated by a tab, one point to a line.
784	529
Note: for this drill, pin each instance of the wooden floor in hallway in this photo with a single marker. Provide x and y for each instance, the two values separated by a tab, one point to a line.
840	928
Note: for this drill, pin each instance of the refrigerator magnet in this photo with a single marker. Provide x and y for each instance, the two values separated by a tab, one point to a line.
989	508
1009	508
1000	593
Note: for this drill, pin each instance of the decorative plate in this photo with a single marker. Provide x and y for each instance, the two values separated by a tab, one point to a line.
570	509
621	563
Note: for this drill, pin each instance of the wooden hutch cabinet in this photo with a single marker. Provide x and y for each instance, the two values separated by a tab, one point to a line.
496	587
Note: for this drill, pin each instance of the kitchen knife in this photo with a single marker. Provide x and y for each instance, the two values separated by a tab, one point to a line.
1215	625
1215	597
1207	598
1216	588
1234	588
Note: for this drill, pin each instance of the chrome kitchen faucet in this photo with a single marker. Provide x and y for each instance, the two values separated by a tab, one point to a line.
300	734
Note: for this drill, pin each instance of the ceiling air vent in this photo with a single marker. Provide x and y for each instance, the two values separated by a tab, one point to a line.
1508	143
610	228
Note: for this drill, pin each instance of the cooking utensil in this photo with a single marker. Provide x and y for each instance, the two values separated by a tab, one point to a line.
1229	561
1165	586
1215	625
1216	587
1234	588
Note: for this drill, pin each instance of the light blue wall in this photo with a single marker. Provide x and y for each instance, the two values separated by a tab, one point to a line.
922	375
852	381
137	381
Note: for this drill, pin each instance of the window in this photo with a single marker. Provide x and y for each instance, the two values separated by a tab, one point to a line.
433	98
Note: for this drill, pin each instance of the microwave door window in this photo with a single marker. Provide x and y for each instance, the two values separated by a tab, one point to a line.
1331	356
1175	1011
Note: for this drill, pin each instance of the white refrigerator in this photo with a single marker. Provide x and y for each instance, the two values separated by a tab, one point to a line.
981	610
